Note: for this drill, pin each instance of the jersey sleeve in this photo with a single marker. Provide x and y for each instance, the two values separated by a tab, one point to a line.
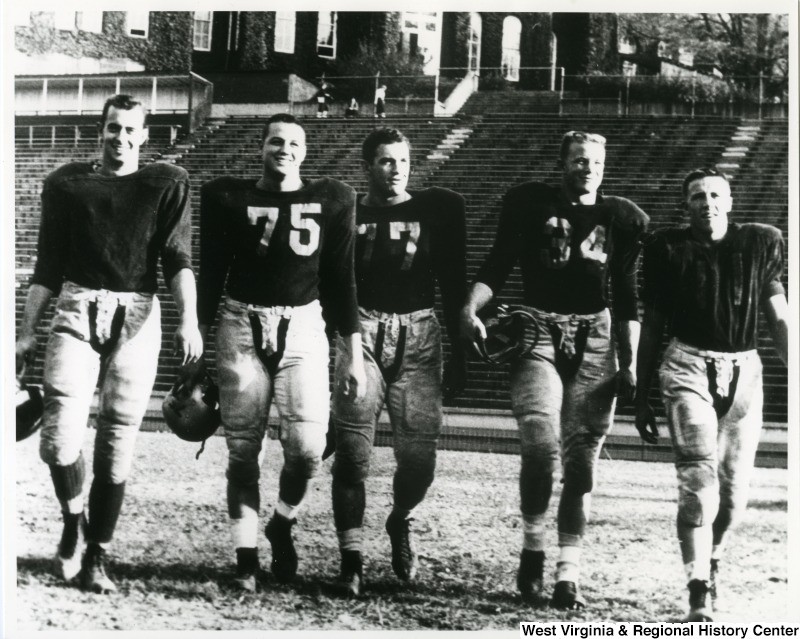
774	261
507	245
175	218
449	259
215	254
53	243
629	226
655	279
337	275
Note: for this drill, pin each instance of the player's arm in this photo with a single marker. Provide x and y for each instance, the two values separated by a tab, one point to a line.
629	227
774	296
655	294
338	283
449	255
38	298
188	339
777	311
627	346
176	262
646	359
48	274
495	270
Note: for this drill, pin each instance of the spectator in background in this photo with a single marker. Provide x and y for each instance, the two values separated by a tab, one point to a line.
323	98
352	109
380	101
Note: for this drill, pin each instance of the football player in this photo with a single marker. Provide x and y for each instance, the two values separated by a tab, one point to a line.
278	244
707	282
103	227
408	242
568	240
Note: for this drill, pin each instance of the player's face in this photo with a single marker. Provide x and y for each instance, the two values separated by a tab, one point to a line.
123	134
709	201
389	170
583	167
284	148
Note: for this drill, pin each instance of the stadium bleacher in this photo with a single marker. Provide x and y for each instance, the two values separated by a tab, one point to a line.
511	139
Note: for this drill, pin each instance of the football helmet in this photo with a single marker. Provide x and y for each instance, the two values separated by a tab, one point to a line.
506	336
192	412
30	407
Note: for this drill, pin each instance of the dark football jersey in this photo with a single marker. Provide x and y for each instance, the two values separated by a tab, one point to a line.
278	248
403	250
568	251
108	232
711	294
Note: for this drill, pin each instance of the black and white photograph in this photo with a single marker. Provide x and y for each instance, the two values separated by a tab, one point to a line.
422	319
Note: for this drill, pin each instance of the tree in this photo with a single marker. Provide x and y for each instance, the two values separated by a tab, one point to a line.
740	44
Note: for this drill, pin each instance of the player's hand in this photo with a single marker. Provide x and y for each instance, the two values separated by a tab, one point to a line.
646	422
470	327
191	373
25	351
354	382
188	342
455	374
625	386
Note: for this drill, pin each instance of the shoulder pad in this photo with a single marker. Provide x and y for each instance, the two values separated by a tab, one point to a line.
628	215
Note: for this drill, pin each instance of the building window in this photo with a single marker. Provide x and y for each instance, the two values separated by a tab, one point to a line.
202	30
474	52
138	23
64	20
284	31
90	21
422	36
512	30
326	34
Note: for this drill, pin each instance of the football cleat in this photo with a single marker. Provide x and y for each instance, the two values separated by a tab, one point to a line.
68	555
530	576
566	596
404	556
246	569
93	575
510	332
699	609
351	575
284	556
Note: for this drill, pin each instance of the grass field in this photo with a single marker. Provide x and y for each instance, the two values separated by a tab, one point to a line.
173	563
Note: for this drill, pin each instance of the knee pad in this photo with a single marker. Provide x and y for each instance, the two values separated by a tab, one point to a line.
698	496
244	473
535	486
417	458
303	444
349	468
538	440
578	478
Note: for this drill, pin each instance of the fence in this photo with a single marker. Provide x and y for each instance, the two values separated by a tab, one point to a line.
85	95
758	96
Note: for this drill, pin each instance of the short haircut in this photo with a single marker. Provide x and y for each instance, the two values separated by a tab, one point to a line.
288	118
573	137
699	174
384	135
121	102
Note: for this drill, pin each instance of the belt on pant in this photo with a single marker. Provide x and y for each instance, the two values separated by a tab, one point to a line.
390	339
722	371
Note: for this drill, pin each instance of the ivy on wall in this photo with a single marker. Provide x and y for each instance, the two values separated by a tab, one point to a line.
167	48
